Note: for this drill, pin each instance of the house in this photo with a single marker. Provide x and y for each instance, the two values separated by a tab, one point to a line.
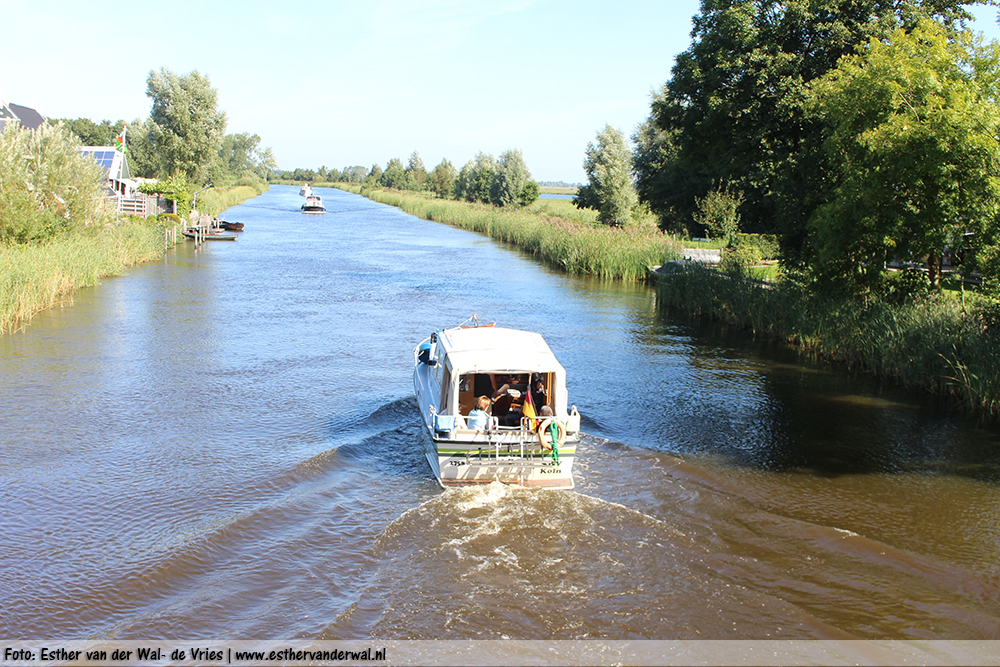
15	113
115	166
122	188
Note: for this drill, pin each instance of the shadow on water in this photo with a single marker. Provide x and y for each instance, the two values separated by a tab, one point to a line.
760	404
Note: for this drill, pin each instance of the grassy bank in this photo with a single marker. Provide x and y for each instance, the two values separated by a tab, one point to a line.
934	343
218	199
34	277
573	243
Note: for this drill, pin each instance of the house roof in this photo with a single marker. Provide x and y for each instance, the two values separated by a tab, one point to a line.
27	116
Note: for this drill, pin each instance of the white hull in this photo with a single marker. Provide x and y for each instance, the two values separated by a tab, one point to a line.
452	468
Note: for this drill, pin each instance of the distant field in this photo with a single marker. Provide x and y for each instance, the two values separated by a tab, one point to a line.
550	190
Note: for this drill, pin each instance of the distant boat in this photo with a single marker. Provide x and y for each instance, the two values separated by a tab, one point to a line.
314	204
305	191
231	226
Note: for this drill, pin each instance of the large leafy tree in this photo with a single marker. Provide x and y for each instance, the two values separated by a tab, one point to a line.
912	143
187	126
441	181
512	183
241	154
91	133
609	189
394	175
476	177
732	114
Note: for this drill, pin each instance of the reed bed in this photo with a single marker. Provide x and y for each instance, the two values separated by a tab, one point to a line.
574	246
933	343
35	277
217	200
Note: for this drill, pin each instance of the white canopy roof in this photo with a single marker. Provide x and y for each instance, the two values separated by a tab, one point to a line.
494	349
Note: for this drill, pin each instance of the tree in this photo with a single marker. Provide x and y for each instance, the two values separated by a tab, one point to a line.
239	155
476	179
718	213
91	133
47	186
609	187
142	156
912	125
187	126
394	175
511	180
441	181
416	174
733	110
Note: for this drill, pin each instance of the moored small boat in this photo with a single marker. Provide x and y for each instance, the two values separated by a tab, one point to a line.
527	437
231	226
314	204
209	235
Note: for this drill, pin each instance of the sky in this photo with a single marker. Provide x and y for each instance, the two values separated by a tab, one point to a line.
335	84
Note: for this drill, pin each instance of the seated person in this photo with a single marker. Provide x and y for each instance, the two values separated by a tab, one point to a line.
478	416
504	406
538	395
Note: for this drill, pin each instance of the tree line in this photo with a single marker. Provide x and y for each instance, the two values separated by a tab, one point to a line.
183	142
859	132
505	181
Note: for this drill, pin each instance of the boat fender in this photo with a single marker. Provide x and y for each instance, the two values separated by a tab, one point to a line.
552	435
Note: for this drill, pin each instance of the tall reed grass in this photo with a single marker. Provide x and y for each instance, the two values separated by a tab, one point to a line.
574	246
933	343
35	277
218	199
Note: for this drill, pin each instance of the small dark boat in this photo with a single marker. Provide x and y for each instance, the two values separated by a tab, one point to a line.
231	226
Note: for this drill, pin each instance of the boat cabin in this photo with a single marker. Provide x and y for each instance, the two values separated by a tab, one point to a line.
510	367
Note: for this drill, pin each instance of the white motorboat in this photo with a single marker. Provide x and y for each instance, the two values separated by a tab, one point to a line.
313	204
529	436
305	191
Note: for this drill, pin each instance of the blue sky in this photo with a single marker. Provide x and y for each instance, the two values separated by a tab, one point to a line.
342	83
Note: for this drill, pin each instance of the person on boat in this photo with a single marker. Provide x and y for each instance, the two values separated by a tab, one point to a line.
478	416
538	395
504	406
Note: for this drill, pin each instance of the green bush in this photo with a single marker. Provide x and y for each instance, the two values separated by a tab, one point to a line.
47	187
767	244
739	257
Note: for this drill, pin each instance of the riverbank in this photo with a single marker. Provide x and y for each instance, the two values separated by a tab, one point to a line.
34	277
216	200
935	343
571	243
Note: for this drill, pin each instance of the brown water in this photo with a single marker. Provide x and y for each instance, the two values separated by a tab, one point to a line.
224	445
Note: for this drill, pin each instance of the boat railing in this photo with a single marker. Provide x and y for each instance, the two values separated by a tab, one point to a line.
510	446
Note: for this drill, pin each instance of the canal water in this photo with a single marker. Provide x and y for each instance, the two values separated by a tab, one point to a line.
225	445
